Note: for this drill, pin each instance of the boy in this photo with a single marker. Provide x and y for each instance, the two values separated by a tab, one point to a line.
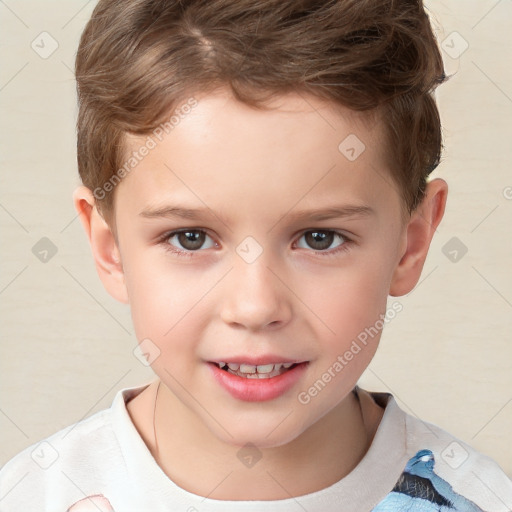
221	145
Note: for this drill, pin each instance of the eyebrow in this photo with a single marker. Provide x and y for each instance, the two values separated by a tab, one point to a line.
333	212
316	214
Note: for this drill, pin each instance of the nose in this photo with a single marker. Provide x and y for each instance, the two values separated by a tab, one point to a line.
255	297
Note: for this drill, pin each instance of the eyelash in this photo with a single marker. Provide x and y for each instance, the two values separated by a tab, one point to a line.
345	246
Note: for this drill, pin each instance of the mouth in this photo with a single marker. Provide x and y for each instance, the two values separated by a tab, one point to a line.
257	379
251	382
250	371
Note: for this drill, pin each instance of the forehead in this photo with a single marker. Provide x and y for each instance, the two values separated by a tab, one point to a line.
224	153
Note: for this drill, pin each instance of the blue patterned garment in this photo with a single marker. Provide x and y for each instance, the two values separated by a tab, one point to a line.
419	489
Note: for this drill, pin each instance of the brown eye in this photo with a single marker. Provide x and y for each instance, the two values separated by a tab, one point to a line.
188	240
319	240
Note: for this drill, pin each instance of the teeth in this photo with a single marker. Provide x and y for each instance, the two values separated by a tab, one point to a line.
262	371
252	369
247	368
265	368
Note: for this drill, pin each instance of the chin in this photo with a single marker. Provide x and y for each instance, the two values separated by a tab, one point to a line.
263	434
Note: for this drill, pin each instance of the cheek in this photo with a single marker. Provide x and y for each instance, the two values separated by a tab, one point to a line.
153	293
165	299
347	300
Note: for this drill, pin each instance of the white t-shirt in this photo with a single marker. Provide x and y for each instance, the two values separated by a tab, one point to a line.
103	464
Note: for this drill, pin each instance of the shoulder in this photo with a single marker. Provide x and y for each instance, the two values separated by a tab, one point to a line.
59	469
455	467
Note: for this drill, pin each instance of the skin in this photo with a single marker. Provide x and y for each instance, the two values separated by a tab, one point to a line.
255	169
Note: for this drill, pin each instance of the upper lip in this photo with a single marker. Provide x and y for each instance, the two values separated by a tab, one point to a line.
257	361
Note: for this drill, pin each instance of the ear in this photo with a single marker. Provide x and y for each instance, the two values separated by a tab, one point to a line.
417	237
105	251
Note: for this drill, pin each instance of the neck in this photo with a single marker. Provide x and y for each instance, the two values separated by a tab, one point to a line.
197	461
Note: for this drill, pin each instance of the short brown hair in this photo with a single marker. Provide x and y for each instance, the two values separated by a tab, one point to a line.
138	59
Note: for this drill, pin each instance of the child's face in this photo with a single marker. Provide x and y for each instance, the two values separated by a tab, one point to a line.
259	283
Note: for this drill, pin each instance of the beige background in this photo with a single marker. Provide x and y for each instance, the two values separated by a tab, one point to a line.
66	345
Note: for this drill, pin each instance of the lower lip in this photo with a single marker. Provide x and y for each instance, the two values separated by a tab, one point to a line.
257	390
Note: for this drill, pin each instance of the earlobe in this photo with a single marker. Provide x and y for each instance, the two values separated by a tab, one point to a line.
418	235
105	251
